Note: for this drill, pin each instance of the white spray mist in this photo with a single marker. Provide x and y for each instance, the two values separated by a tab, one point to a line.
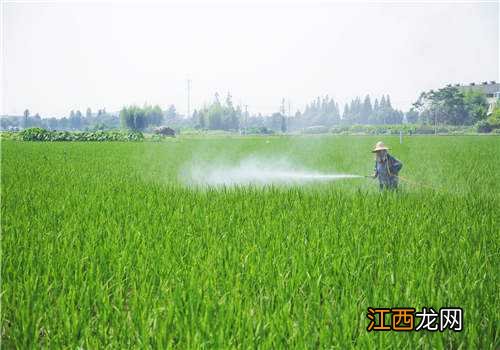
254	171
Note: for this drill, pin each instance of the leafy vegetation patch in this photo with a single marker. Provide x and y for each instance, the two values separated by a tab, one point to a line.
39	134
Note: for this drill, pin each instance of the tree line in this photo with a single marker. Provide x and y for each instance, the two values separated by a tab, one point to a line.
322	111
379	113
450	106
101	120
447	106
137	118
219	115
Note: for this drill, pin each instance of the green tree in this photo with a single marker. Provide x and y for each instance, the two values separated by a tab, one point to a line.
215	114
229	116
494	118
36	121
171	113
75	120
64	123
154	115
201	120
346	114
412	116
366	110
140	119
283	124
126	118
133	118
476	105
443	106
276	121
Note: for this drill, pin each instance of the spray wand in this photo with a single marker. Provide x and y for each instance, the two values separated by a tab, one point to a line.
411	182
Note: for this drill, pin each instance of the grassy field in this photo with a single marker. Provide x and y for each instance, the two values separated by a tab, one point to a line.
103	245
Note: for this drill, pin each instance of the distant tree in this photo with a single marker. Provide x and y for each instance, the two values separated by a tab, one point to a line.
52	123
375	116
494	118
126	118
201	120
346	114
388	102
276	121
215	114
236	117
171	113
229	101
333	112
443	106
75	120
362	112
133	118
476	105
355	111
412	116
282	106
382	111
229	115
154	115
64	123
367	110
88	113
283	124
321	111
140	119
36	121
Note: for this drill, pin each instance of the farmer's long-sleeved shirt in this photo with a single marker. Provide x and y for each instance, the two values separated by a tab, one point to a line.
386	171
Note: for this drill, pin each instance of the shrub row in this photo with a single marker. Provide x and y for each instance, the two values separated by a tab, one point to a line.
486	126
39	134
406	129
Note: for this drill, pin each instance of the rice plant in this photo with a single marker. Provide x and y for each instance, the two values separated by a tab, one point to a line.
104	245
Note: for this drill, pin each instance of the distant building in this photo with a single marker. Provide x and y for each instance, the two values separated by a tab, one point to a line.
490	89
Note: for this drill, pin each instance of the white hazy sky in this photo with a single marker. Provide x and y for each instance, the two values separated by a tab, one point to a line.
59	56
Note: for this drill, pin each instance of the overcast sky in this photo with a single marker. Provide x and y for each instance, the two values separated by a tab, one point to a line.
62	56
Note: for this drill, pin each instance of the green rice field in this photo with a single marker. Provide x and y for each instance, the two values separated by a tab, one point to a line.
106	245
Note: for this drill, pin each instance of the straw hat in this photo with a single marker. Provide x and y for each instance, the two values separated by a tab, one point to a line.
379	146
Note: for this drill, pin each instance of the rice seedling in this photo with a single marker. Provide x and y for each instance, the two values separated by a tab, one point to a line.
105	245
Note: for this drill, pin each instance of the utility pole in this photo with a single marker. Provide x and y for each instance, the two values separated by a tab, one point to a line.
435	123
289	108
246	116
188	97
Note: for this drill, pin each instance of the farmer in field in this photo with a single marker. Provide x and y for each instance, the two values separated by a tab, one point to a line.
386	167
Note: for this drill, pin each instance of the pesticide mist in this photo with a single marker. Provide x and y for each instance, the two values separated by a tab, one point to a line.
253	171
